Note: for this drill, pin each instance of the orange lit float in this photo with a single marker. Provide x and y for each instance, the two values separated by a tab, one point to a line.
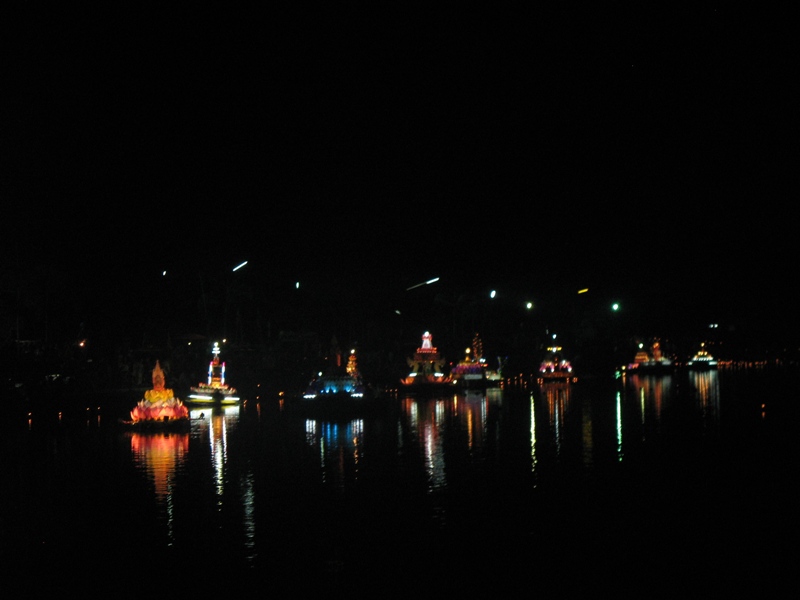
159	405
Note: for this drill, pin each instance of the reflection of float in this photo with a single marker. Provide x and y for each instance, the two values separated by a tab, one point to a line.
557	397
160	454
216	422
706	386
339	445
652	392
425	423
159	407
472	408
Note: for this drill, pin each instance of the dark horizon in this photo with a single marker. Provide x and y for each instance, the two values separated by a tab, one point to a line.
633	153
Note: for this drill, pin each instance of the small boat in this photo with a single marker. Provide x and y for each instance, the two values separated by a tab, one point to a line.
555	368
214	390
702	360
427	373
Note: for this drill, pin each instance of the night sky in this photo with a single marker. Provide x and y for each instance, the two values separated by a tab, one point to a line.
640	153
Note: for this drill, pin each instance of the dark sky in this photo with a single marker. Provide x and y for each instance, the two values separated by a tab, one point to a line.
639	152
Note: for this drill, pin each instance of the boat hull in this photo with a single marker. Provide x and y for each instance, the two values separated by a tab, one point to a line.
556	378
471	382
212	396
701	366
156	425
340	405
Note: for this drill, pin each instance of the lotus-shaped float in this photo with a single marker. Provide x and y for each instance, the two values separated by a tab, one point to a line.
160	410
160	403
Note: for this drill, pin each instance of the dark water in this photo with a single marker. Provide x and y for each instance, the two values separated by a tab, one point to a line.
680	484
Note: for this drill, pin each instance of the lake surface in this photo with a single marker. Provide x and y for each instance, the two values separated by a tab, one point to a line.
676	484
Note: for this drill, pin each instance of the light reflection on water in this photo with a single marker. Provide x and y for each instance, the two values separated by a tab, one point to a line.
266	485
667	402
339	446
160	456
706	386
433	427
556	397
213	424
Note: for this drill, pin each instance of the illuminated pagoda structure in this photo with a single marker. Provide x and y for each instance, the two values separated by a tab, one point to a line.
427	368
339	380
215	390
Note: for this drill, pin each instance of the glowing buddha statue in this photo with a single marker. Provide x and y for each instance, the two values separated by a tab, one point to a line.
159	392
160	403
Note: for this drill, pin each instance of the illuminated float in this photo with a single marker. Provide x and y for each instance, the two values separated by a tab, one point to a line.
555	368
159	405
427	369
214	390
338	381
473	372
653	362
702	360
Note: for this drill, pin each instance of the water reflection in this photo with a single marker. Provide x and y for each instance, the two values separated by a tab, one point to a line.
474	411
422	419
213	426
339	447
656	408
706	387
556	396
640	406
444	428
533	440
160	456
652	392
296	495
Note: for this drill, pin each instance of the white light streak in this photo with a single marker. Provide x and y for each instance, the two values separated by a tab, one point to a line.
430	281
